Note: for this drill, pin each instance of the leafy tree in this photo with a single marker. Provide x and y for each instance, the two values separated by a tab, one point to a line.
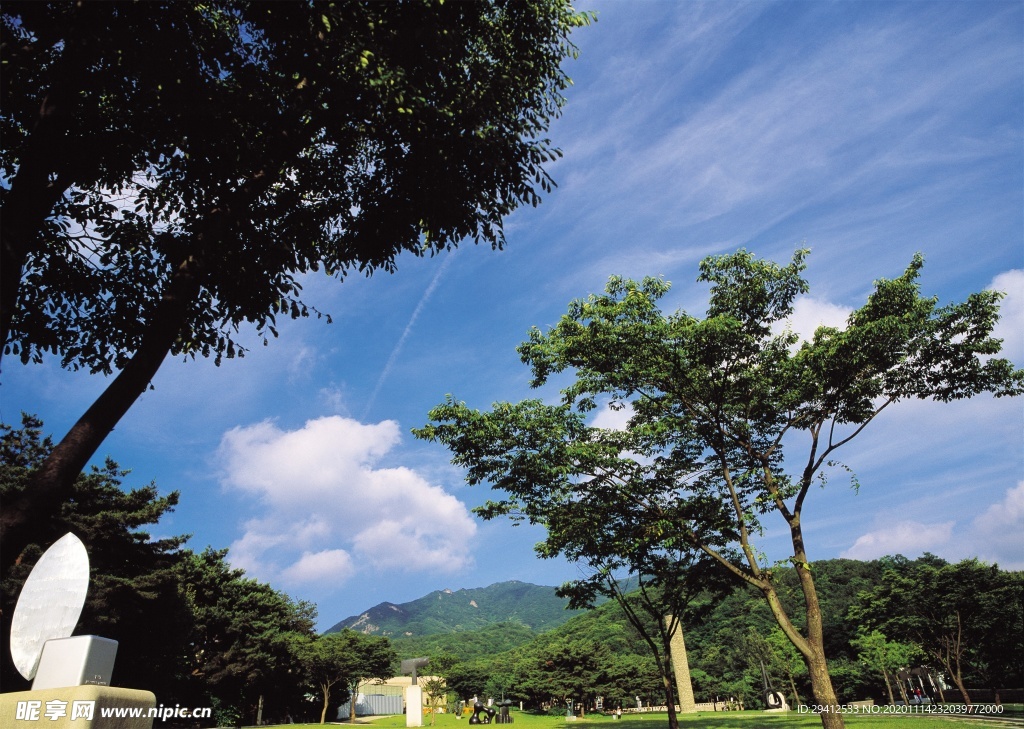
886	656
561	669
296	137
713	400
968	617
346	659
436	691
469	678
787	660
133	579
629	675
245	637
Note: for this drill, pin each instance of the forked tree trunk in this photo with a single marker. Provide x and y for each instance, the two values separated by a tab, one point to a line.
326	687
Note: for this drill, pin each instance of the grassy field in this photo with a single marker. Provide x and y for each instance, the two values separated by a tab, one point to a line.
720	720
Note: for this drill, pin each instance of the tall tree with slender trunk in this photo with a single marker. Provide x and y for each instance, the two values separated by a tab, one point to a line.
714	403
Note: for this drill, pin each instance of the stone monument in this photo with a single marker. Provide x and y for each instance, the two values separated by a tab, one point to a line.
413	692
681	666
70	675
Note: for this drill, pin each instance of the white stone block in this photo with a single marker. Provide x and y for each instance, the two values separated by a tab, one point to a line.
76	661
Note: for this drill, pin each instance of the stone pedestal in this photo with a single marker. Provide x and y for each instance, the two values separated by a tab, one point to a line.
77	707
413	706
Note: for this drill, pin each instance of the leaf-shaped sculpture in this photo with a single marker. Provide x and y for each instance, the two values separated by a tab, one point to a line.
50	602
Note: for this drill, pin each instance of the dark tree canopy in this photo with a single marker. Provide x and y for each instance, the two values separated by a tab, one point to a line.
244	638
189	627
252	143
171	171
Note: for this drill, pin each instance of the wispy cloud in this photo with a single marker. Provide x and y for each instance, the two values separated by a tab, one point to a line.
859	125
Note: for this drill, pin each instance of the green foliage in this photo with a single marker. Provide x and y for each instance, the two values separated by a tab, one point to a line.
885	656
244	636
343	660
465	645
562	668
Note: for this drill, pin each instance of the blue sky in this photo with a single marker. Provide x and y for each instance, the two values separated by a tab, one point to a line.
866	131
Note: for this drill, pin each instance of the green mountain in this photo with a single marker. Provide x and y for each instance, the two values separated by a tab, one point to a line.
535	607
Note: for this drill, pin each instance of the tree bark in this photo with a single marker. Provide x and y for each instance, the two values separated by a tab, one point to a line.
824	694
51	483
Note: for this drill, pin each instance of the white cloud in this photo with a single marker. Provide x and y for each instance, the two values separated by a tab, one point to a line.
329	510
315	566
909	538
810	313
1011	313
613	419
996	533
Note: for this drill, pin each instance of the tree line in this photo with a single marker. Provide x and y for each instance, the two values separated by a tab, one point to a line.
190	628
882	617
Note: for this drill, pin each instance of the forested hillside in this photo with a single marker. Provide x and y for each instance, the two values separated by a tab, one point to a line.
446	611
598	653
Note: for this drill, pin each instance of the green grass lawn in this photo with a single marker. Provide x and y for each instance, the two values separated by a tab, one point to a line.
718	720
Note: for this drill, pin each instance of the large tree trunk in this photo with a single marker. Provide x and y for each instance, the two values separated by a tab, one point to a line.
52	482
824	694
811	646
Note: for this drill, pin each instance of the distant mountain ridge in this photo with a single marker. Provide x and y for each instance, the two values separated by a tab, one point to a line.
446	611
